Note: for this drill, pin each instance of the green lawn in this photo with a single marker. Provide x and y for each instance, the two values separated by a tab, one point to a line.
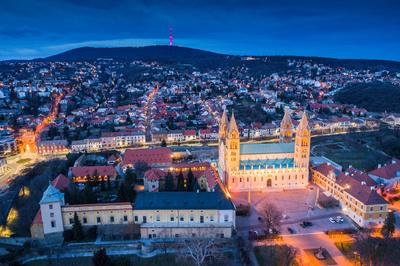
272	255
346	248
349	150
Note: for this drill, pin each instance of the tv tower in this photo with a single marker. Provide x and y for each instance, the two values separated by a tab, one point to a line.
171	38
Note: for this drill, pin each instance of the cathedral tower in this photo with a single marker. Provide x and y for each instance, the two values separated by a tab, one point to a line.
302	143
286	130
223	127
233	145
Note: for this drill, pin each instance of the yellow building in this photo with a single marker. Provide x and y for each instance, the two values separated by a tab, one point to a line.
359	200
264	166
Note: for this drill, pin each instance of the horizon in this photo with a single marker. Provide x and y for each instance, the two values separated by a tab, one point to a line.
178	46
344	29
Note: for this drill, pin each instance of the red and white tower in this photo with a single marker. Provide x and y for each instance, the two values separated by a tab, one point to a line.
171	38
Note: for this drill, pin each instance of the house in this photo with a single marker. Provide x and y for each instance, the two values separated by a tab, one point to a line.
388	174
82	174
189	135
156	157
184	214
175	136
152	179
53	147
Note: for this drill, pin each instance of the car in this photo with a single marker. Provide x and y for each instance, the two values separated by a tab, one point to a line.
339	219
332	220
291	230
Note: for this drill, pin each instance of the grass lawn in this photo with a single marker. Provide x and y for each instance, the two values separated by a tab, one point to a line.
160	260
346	248
327	261
23	161
271	255
347	150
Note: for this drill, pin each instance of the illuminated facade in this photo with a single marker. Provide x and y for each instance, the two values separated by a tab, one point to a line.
26	141
264	166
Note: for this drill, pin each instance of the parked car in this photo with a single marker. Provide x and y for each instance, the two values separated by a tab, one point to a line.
291	230
332	220
339	219
305	224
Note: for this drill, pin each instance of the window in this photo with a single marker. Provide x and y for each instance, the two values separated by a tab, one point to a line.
136	218
201	219
51	214
84	220
226	218
53	224
51	206
191	218
111	219
158	218
98	219
144	219
71	221
172	218
181	218
125	218
212	218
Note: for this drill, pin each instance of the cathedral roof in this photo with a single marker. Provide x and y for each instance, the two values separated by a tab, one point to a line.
303	122
266	148
287	120
232	124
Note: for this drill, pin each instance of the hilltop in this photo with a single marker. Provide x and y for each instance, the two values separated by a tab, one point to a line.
206	59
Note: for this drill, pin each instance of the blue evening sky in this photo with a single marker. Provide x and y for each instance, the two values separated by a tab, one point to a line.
342	28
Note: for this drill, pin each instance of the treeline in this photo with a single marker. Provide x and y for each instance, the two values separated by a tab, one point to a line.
373	96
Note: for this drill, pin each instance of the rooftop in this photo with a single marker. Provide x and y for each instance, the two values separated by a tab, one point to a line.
183	201
266	148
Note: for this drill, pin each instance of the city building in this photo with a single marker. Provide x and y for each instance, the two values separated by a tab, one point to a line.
184	214
3	165
359	200
264	166
52	147
388	174
82	174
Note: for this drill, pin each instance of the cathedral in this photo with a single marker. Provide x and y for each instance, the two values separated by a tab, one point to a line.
264	166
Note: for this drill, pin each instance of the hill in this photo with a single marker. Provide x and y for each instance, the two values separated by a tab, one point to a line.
205	59
374	96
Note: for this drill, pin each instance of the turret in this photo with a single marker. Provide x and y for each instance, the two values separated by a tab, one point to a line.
233	145
50	208
302	143
223	127
286	130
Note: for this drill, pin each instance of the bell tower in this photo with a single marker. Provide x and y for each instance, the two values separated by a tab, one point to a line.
286	130
233	145
302	143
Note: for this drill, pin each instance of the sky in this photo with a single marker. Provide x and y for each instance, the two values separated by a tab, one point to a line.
331	28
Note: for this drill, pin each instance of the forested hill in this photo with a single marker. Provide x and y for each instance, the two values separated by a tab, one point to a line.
206	59
374	96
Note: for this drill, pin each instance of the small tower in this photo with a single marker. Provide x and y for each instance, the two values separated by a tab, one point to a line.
302	143
223	127
286	130
50	208
233	145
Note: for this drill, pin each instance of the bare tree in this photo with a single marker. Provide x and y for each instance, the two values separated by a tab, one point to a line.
288	255
200	250
272	217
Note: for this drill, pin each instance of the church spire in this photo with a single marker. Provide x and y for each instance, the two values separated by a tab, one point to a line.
286	130
232	124
303	125
223	126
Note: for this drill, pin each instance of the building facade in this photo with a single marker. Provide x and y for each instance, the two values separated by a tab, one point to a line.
359	200
264	166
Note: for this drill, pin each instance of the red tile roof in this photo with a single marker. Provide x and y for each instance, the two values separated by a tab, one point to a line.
388	171
93	170
38	218
150	156
61	182
154	174
189	132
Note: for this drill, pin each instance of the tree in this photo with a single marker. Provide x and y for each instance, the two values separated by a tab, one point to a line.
200	250
108	183
272	217
130	176
163	143
191	180
102	184
140	168
100	258
180	182
77	228
169	182
389	226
